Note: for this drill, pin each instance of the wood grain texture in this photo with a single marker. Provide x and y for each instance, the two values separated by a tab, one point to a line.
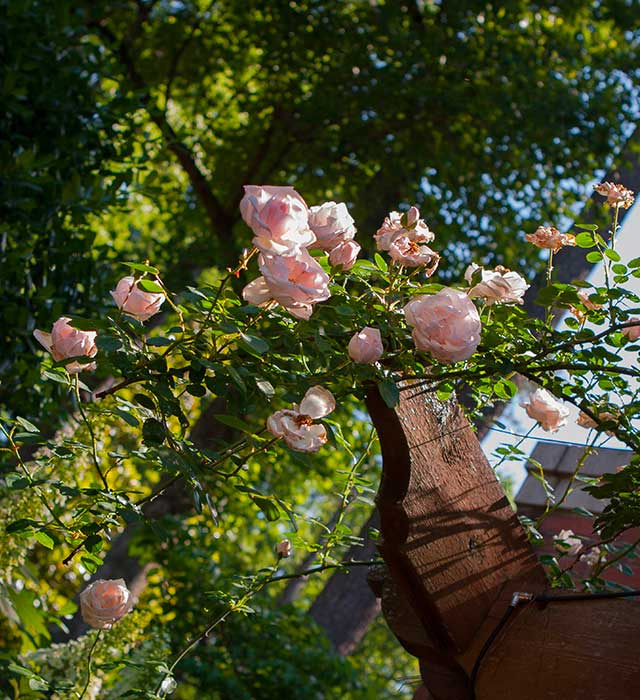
565	651
449	536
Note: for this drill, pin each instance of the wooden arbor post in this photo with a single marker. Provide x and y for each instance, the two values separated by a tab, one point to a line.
455	555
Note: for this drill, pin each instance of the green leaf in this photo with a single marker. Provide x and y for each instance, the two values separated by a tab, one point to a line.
145	401
585	240
381	263
266	388
254	343
128	418
30	427
20	525
612	254
390	393
44	538
159	341
594	256
196	390
153	432
138	267
150	286
505	389
268	506
108	343
234	422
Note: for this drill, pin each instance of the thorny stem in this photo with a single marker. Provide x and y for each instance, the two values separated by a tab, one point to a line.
87	422
256	586
89	664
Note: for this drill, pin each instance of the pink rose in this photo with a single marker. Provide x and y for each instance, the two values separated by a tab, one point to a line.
499	286
104	602
632	332
296	282
445	324
332	225
366	346
409	225
566	543
296	425
65	341
344	254
409	254
278	216
135	302
551	414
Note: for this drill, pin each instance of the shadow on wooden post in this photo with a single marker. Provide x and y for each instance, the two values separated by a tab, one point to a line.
455	554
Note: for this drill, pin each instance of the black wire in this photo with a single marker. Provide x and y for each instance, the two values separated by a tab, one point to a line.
515	603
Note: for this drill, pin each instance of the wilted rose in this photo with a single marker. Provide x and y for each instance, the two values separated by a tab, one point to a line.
332	225
617	195
134	301
499	286
409	225
296	425
65	341
278	216
544	408
549	237
592	557
445	324
296	282
344	255
566	543
104	602
365	347
632	333
585	421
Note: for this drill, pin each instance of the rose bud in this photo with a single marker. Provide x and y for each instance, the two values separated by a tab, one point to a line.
283	549
366	346
65	341
133	301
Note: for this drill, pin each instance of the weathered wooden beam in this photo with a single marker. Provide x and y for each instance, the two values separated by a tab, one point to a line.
450	539
584	650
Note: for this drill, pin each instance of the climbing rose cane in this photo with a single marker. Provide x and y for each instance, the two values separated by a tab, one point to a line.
104	602
135	302
296	425
445	324
65	341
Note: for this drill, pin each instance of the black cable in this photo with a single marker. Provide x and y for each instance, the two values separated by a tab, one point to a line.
519	598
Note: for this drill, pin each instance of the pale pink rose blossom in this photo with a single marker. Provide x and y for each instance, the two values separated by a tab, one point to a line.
296	282
365	347
409	254
278	216
585	421
549	237
344	255
296	425
409	225
64	341
135	302
104	602
544	408
499	286
566	543
632	332
617	195
592	557
445	324
332	225
583	295
284	549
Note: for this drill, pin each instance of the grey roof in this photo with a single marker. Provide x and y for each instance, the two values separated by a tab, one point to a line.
559	461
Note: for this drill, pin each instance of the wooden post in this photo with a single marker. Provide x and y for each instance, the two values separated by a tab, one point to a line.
456	553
